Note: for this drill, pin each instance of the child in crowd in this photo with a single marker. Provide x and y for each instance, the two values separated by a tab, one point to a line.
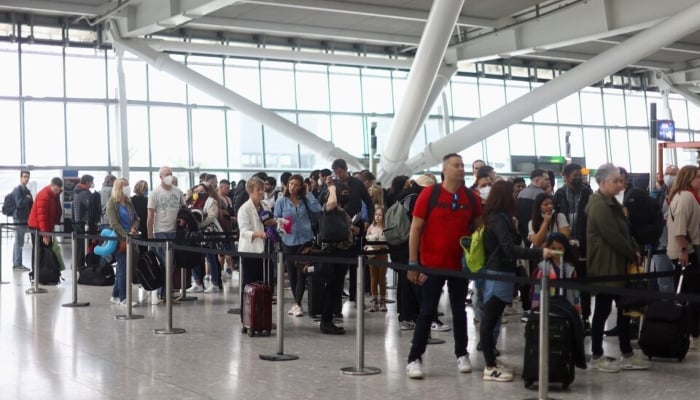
377	274
561	267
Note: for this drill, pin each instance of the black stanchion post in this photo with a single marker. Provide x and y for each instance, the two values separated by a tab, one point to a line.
74	273
237	311
2	229
279	356
35	267
129	279
169	330
360	368
183	287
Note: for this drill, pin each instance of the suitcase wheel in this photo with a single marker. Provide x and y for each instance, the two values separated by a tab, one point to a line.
529	383
565	386
266	333
244	330
251	332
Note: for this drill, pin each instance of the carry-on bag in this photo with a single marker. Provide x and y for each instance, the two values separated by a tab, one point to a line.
257	306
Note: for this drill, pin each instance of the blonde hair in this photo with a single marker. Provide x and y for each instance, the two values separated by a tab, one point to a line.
117	194
140	187
377	194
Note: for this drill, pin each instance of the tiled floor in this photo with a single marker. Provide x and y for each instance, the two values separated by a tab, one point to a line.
51	352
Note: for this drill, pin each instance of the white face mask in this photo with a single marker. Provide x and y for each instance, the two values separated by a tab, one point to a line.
126	190
669	180
168	180
620	196
484	192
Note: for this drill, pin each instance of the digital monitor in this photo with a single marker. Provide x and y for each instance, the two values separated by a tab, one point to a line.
666	130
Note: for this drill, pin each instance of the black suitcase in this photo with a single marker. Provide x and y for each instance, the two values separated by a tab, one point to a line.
561	352
314	300
665	330
96	276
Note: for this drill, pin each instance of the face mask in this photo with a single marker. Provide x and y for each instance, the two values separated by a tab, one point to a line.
126	190
168	180
343	198
92	185
145	193
320	182
669	180
620	196
577	182
484	192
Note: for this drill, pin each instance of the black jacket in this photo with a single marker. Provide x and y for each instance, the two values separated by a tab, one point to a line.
503	244
24	201
561	205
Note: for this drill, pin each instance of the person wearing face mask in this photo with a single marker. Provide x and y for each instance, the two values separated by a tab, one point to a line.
571	200
483	183
660	260
164	202
79	210
105	193
124	221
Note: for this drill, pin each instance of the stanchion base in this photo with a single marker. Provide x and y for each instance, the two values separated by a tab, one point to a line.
72	305
126	317
435	341
166	331
278	357
389	301
186	298
236	311
4	283
539	398
35	291
360	371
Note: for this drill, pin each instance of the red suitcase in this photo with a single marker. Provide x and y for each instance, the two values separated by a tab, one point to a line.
257	309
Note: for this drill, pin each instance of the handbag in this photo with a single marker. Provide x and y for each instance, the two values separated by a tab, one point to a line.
314	217
633	304
334	227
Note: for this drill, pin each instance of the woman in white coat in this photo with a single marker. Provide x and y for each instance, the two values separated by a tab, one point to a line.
252	232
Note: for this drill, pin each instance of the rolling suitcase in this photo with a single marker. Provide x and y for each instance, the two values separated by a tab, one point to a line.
257	306
665	329
561	352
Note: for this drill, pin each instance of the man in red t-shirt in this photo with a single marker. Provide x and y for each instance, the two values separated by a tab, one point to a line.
436	234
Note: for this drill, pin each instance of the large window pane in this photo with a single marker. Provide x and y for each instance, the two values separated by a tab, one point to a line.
680	113
348	134
575	140
591	106
277	85
134	76
10	149
169	137
281	152
568	110
42	71
210	67
619	148
491	94
9	84
345	89
639	148
614	107
85	73
87	134
312	87
376	92
498	152
138	136
547	114
547	140
319	124
244	141
596	149
636	109
45	140
522	140
209	138
243	78
465	98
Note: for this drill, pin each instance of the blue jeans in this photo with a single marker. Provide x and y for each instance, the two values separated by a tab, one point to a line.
478	307
119	288
19	243
432	289
662	264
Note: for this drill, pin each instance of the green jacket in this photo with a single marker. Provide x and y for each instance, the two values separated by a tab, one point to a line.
610	244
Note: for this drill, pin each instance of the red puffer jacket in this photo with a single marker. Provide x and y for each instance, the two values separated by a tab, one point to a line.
46	211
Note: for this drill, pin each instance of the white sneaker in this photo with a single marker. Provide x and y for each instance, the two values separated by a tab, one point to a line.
195	288
694	344
114	300
633	362
414	370
497	374
298	312
438	326
133	303
212	289
603	364
207	277
504	367
292	310
463	364
226	276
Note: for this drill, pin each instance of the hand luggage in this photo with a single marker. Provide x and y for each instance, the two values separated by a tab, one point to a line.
49	272
96	275
257	306
665	329
149	272
561	349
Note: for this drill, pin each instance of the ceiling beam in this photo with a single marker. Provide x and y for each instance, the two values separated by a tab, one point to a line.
291	30
578	58
53	7
370	10
586	21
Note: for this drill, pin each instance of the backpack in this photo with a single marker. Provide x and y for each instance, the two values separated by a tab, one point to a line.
646	218
474	248
149	271
94	205
9	206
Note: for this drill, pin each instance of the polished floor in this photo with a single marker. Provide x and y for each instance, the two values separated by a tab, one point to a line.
52	352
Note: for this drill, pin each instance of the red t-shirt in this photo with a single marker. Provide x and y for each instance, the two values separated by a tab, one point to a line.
439	242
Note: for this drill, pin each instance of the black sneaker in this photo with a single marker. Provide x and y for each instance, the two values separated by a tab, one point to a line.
612	332
586	328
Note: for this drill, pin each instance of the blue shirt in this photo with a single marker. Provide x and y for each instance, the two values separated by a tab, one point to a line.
301	231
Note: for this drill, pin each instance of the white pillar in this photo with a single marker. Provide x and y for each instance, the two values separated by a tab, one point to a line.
604	64
122	126
236	102
431	52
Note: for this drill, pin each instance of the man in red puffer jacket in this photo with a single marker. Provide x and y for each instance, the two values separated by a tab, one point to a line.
46	212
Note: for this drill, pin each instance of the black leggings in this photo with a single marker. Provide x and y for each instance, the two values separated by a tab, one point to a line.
493	311
295	273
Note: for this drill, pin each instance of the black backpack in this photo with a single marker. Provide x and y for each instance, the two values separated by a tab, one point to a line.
149	271
94	209
8	205
645	216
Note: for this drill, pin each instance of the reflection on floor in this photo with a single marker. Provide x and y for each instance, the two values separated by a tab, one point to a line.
54	352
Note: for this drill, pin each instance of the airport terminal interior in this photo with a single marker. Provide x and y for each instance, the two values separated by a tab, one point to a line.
233	87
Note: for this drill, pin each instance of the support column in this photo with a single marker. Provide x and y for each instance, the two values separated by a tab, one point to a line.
236	102
122	114
431	52
604	64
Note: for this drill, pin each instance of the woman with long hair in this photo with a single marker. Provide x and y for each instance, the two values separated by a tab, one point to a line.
124	221
545	220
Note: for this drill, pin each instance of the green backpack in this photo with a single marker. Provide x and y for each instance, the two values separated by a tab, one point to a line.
474	248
